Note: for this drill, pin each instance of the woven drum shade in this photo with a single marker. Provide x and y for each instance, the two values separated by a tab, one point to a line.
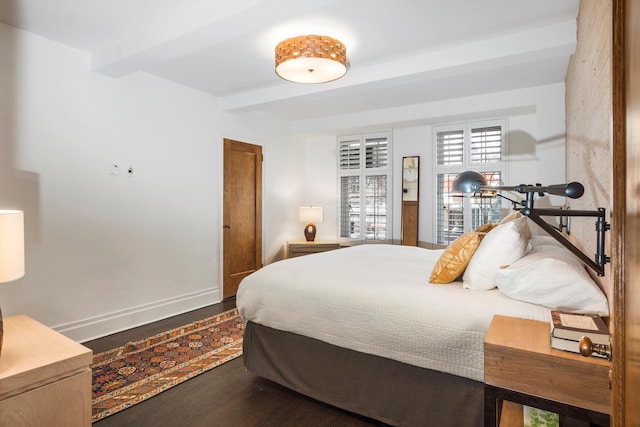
311	59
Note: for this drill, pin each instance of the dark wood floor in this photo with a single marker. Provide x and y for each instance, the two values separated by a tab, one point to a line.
228	395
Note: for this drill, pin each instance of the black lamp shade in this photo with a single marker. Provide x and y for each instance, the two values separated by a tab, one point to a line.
468	182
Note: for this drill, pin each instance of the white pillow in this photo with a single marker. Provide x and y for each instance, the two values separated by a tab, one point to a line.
500	247
552	276
511	217
544	240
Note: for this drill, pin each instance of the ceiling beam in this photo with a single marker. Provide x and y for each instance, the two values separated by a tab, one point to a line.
200	27
515	49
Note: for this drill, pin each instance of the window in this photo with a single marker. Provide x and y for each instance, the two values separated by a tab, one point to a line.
364	175
477	146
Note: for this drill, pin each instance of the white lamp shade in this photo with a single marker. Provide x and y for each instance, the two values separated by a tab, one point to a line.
11	245
311	70
309	214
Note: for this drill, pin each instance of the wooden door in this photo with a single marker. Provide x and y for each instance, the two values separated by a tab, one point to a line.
242	213
626	212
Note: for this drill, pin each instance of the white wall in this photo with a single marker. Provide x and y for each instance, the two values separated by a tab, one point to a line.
535	126
107	252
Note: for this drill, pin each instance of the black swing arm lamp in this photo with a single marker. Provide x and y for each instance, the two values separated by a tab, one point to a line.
471	182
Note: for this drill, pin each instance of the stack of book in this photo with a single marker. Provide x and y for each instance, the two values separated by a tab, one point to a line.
567	329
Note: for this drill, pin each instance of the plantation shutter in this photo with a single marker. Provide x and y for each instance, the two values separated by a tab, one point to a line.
476	146
376	207
486	144
450	147
449	218
486	209
350	207
349	154
364	177
376	152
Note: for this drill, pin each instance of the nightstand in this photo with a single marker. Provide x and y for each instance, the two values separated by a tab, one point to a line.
301	247
45	377
520	366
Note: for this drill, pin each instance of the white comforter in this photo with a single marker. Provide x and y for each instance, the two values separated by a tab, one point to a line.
376	299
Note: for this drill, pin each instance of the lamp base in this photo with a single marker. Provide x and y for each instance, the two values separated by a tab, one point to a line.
310	232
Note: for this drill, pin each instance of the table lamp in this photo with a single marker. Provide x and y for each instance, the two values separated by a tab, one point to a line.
310	215
11	250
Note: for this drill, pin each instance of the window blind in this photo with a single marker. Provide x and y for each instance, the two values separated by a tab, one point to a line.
349	154
486	144
450	147
451	220
364	173
350	207
376	207
486	209
376	153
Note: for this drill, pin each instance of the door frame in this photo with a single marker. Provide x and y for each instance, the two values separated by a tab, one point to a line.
624	222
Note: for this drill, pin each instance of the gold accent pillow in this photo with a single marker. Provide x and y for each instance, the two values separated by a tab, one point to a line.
485	228
455	258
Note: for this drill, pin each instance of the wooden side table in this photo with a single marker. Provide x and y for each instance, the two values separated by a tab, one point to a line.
302	247
520	366
45	378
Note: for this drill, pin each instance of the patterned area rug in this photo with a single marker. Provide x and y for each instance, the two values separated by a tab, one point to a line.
127	375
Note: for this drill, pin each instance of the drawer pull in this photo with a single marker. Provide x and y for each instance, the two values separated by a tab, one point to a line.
587	347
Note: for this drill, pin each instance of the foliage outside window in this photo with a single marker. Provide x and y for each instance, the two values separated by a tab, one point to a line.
477	146
364	177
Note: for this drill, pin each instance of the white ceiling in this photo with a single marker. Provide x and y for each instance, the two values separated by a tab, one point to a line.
400	52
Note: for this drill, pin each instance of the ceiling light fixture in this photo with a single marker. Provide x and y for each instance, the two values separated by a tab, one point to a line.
311	59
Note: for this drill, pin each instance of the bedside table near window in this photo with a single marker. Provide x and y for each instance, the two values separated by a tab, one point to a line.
520	366
297	248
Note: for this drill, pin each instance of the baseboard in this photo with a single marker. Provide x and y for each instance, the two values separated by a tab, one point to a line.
110	323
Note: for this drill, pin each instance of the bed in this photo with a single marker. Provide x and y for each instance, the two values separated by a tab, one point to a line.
363	329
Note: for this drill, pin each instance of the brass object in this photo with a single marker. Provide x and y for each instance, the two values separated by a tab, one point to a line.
587	347
310	232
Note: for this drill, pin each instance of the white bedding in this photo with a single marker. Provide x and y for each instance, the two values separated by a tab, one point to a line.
376	299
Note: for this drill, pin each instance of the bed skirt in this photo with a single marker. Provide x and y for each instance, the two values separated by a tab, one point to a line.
383	389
